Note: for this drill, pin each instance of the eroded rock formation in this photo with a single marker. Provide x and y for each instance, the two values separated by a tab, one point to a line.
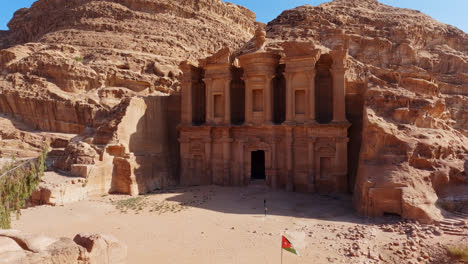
103	70
64	62
74	67
20	247
407	82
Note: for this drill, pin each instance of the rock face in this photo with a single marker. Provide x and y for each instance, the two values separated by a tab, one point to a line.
19	247
64	62
407	85
103	70
73	67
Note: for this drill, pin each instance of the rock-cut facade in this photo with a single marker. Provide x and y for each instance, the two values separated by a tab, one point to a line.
266	117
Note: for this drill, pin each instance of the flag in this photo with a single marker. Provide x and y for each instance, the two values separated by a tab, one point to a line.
286	245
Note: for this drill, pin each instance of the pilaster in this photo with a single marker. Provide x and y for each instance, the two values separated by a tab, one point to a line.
290	159
311	98
190	75
338	71
311	163
227	100
289	99
209	101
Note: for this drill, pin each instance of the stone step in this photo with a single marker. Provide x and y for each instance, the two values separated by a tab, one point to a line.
455	233
454	219
56	152
451	229
447	223
462	214
454	223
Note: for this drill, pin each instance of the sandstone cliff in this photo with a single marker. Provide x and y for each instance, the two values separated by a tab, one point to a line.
65	61
72	66
406	97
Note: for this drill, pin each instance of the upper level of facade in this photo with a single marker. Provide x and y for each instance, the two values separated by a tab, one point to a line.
303	86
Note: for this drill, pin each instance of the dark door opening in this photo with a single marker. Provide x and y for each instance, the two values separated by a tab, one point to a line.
258	165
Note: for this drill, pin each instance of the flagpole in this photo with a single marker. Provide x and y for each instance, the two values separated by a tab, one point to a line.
281	255
281	248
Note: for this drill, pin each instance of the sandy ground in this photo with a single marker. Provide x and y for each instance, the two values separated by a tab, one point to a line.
227	225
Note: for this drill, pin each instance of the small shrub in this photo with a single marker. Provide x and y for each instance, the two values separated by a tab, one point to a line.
17	182
459	253
78	59
134	203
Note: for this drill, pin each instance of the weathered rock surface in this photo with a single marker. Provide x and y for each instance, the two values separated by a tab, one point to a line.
58	189
406	91
19	247
22	141
64	62
72	66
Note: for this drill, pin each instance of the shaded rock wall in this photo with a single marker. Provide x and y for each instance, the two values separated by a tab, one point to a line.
136	148
47	114
407	85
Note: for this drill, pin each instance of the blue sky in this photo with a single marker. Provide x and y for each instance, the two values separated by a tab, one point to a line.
454	12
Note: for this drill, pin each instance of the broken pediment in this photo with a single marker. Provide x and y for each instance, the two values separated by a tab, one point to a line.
223	56
300	49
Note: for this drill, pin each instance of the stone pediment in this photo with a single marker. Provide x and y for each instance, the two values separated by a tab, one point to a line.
300	49
223	56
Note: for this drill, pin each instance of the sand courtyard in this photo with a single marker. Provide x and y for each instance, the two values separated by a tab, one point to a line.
213	224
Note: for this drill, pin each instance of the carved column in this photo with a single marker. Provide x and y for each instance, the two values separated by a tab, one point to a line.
268	99
227	141
338	71
311	97
289	99
274	163
185	171
341	165
227	101
290	159
209	101
191	74
207	160
248	101
311	163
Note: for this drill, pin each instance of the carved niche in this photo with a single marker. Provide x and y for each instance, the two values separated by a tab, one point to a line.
325	146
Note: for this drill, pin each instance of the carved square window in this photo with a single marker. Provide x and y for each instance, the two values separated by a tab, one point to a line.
218	105
300	103
257	100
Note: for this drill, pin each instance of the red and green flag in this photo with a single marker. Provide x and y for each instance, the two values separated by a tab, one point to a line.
286	245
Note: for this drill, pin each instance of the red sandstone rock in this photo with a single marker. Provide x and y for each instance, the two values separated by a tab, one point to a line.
406	70
19	247
407	87
63	62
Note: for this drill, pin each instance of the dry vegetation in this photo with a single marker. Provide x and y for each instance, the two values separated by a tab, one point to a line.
459	253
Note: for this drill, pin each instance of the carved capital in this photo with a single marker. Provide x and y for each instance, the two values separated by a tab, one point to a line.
338	70
342	140
184	140
289	75
339	58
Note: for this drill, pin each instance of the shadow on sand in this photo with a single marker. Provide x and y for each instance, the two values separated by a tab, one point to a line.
250	201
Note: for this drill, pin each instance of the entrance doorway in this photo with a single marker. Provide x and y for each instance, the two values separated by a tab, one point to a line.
258	165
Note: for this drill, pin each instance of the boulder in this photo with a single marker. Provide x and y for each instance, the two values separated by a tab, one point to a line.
19	247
